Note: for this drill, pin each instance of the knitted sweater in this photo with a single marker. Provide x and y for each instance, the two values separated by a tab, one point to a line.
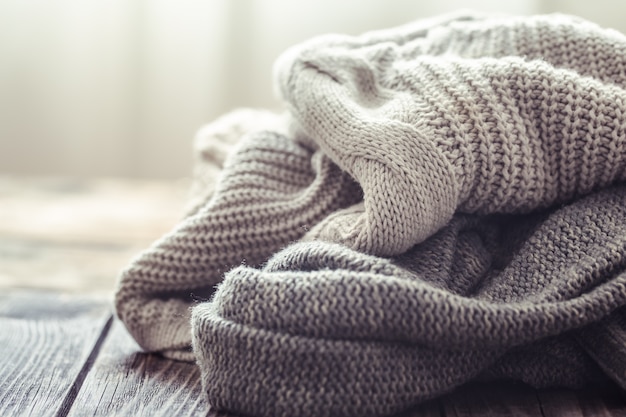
441	202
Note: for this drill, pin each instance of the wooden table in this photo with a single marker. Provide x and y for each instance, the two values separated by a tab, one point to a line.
62	353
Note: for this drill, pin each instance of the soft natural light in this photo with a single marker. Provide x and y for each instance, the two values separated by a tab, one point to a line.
118	88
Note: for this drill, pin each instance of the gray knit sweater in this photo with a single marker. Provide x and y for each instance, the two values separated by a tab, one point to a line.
440	202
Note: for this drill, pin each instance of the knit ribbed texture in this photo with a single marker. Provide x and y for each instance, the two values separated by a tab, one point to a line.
499	115
441	202
271	189
322	330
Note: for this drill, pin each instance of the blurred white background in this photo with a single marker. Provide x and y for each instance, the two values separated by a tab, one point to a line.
118	88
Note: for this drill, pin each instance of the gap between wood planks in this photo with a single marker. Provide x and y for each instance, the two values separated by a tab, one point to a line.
69	399
145	372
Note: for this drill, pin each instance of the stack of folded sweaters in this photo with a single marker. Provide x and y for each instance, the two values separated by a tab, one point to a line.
440	202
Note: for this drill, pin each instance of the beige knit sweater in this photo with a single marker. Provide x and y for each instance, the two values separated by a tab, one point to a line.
390	140
472	114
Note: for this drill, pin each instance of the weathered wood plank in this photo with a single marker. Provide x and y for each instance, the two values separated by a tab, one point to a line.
46	341
45	305
68	234
126	382
74	210
79	268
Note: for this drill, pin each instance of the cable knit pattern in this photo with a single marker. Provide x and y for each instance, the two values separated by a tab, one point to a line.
498	115
442	201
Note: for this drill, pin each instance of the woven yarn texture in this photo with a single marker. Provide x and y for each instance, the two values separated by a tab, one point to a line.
440	202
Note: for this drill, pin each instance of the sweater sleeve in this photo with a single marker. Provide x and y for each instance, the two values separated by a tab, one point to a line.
270	190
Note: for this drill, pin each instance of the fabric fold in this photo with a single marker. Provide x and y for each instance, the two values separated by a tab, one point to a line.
605	342
440	202
374	318
271	189
507	114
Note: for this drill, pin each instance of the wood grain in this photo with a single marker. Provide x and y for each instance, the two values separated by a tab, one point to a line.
126	382
78	268
104	210
67	234
45	350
